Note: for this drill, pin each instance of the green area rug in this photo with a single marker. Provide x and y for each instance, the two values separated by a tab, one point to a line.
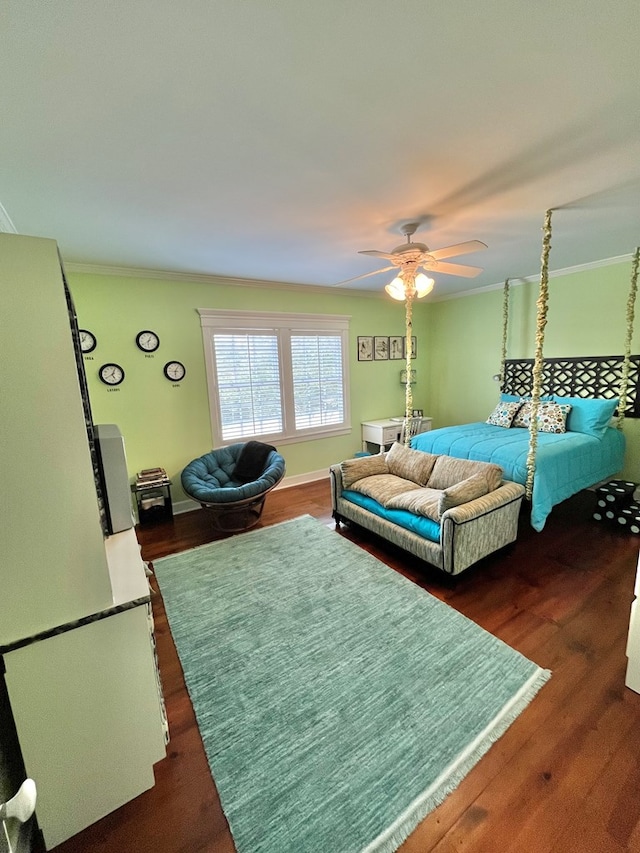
338	702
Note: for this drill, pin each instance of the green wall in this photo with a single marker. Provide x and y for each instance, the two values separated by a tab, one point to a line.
459	343
168	425
587	316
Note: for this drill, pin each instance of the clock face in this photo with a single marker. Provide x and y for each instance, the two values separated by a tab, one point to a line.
111	374
175	370
147	341
88	340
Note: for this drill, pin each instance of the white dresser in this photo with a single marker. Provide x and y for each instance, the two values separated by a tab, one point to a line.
633	640
380	435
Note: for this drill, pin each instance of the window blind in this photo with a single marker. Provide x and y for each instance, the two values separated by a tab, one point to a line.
248	378
316	362
276	377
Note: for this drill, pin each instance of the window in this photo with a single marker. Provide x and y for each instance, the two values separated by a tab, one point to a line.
276	376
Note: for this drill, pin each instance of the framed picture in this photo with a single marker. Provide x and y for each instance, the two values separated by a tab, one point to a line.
396	347
381	348
365	348
418	413
414	347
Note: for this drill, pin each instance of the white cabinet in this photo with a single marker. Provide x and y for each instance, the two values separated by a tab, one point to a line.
54	566
88	719
75	632
633	640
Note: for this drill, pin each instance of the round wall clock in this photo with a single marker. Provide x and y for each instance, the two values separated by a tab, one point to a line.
88	340
175	370
147	340
111	374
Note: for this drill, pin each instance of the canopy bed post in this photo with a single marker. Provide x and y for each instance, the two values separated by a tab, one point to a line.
408	392
631	301
538	363
505	327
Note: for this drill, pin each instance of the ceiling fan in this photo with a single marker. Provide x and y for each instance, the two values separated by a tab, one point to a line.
411	257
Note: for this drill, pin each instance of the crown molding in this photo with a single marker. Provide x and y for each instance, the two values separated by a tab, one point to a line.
205	278
514	282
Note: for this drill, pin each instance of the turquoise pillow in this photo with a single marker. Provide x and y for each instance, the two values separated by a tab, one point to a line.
516	398
588	416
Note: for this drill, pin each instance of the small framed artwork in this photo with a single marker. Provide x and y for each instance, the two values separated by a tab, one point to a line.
414	347
396	347
365	348
381	348
418	413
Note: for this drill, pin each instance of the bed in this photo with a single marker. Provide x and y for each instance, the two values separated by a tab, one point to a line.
565	463
589	451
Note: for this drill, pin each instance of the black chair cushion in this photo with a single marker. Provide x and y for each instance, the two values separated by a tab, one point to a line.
251	461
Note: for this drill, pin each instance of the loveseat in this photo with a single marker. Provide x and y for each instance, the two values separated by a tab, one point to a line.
448	512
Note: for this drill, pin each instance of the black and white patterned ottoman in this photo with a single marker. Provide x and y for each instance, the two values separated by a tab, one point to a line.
615	503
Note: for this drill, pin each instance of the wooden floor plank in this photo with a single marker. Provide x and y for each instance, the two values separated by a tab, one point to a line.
564	777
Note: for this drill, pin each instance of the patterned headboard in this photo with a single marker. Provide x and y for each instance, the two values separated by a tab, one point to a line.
585	376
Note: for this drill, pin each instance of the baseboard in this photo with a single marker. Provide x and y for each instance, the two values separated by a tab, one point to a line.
185	506
301	479
188	505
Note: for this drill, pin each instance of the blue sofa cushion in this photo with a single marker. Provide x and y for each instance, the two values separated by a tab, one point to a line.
425	527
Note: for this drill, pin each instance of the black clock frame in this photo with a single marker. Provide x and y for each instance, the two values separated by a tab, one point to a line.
111	364
93	338
147	332
172	378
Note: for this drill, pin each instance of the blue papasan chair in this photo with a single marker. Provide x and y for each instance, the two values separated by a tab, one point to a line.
232	482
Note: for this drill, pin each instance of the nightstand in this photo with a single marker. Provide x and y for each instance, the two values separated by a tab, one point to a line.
153	501
381	434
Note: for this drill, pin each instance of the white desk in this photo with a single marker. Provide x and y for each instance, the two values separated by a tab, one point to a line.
383	433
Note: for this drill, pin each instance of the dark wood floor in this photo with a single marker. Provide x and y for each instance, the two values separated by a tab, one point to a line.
566	775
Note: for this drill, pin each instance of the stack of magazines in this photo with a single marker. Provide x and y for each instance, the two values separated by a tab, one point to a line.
150	477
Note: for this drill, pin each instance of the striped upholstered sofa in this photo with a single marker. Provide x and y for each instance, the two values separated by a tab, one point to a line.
449	512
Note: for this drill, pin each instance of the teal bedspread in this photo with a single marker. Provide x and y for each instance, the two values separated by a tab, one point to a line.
565	463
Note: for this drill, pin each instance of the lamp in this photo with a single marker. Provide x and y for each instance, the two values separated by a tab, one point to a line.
396	289
409	285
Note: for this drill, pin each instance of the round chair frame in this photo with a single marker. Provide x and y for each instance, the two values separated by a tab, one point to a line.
235	516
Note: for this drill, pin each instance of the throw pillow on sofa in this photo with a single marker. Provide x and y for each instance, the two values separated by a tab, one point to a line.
414	465
365	466
448	471
467	490
423	502
383	487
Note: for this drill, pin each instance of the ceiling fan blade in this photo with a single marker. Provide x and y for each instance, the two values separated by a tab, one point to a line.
454	269
458	249
376	254
364	275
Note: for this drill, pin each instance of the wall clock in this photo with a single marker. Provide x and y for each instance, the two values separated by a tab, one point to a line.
175	370
111	374
88	340
147	340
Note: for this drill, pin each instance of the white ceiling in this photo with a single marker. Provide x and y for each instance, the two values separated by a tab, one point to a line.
273	139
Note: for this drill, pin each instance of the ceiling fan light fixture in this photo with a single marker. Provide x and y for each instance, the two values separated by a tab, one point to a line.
423	285
396	289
